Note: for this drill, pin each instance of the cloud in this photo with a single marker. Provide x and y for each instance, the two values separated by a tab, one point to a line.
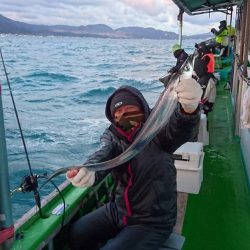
150	7
159	14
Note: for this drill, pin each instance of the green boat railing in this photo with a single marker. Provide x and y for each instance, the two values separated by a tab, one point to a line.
33	232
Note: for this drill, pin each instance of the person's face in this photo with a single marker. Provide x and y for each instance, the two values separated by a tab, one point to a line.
176	54
125	109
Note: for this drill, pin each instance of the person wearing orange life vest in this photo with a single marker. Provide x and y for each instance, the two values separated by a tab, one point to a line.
204	68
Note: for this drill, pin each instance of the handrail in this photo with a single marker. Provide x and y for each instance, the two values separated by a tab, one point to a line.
244	77
240	70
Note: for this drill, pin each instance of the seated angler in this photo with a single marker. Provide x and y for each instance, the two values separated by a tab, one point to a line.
181	57
142	212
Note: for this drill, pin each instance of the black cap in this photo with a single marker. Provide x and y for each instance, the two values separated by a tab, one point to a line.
122	98
223	24
202	44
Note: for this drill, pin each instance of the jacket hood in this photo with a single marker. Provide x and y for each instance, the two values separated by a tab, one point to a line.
203	49
135	92
178	53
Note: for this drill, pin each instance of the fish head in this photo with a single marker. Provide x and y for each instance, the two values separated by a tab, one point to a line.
187	68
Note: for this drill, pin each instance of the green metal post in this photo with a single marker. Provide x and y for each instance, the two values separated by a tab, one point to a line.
6	220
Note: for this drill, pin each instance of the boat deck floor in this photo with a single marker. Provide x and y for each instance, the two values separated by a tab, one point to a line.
218	218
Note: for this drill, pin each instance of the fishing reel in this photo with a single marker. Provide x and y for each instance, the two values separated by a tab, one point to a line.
29	183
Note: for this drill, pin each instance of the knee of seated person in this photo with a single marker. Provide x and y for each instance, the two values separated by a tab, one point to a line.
208	107
76	233
210	104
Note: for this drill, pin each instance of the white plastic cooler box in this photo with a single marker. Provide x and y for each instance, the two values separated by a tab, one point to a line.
189	164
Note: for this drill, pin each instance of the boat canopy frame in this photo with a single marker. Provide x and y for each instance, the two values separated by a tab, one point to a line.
198	7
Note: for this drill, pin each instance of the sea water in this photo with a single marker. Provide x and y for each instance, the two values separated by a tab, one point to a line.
60	86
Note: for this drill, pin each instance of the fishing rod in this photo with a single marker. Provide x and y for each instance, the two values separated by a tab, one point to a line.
29	182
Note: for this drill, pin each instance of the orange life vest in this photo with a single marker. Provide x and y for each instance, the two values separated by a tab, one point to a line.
210	66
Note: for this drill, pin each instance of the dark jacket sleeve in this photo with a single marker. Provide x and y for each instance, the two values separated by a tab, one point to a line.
105	152
177	66
180	129
181	59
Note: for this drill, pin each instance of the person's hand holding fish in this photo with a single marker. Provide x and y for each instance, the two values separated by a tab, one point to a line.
189	94
81	177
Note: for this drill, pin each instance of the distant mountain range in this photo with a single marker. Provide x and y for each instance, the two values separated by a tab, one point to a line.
9	26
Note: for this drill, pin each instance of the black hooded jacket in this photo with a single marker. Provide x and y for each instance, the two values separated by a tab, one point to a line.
146	185
181	57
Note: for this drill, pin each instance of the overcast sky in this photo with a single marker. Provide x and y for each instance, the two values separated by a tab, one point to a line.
159	14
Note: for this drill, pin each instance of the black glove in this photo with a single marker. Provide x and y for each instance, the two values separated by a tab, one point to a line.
213	30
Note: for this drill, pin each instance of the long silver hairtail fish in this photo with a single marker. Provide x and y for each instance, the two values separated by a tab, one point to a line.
157	119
